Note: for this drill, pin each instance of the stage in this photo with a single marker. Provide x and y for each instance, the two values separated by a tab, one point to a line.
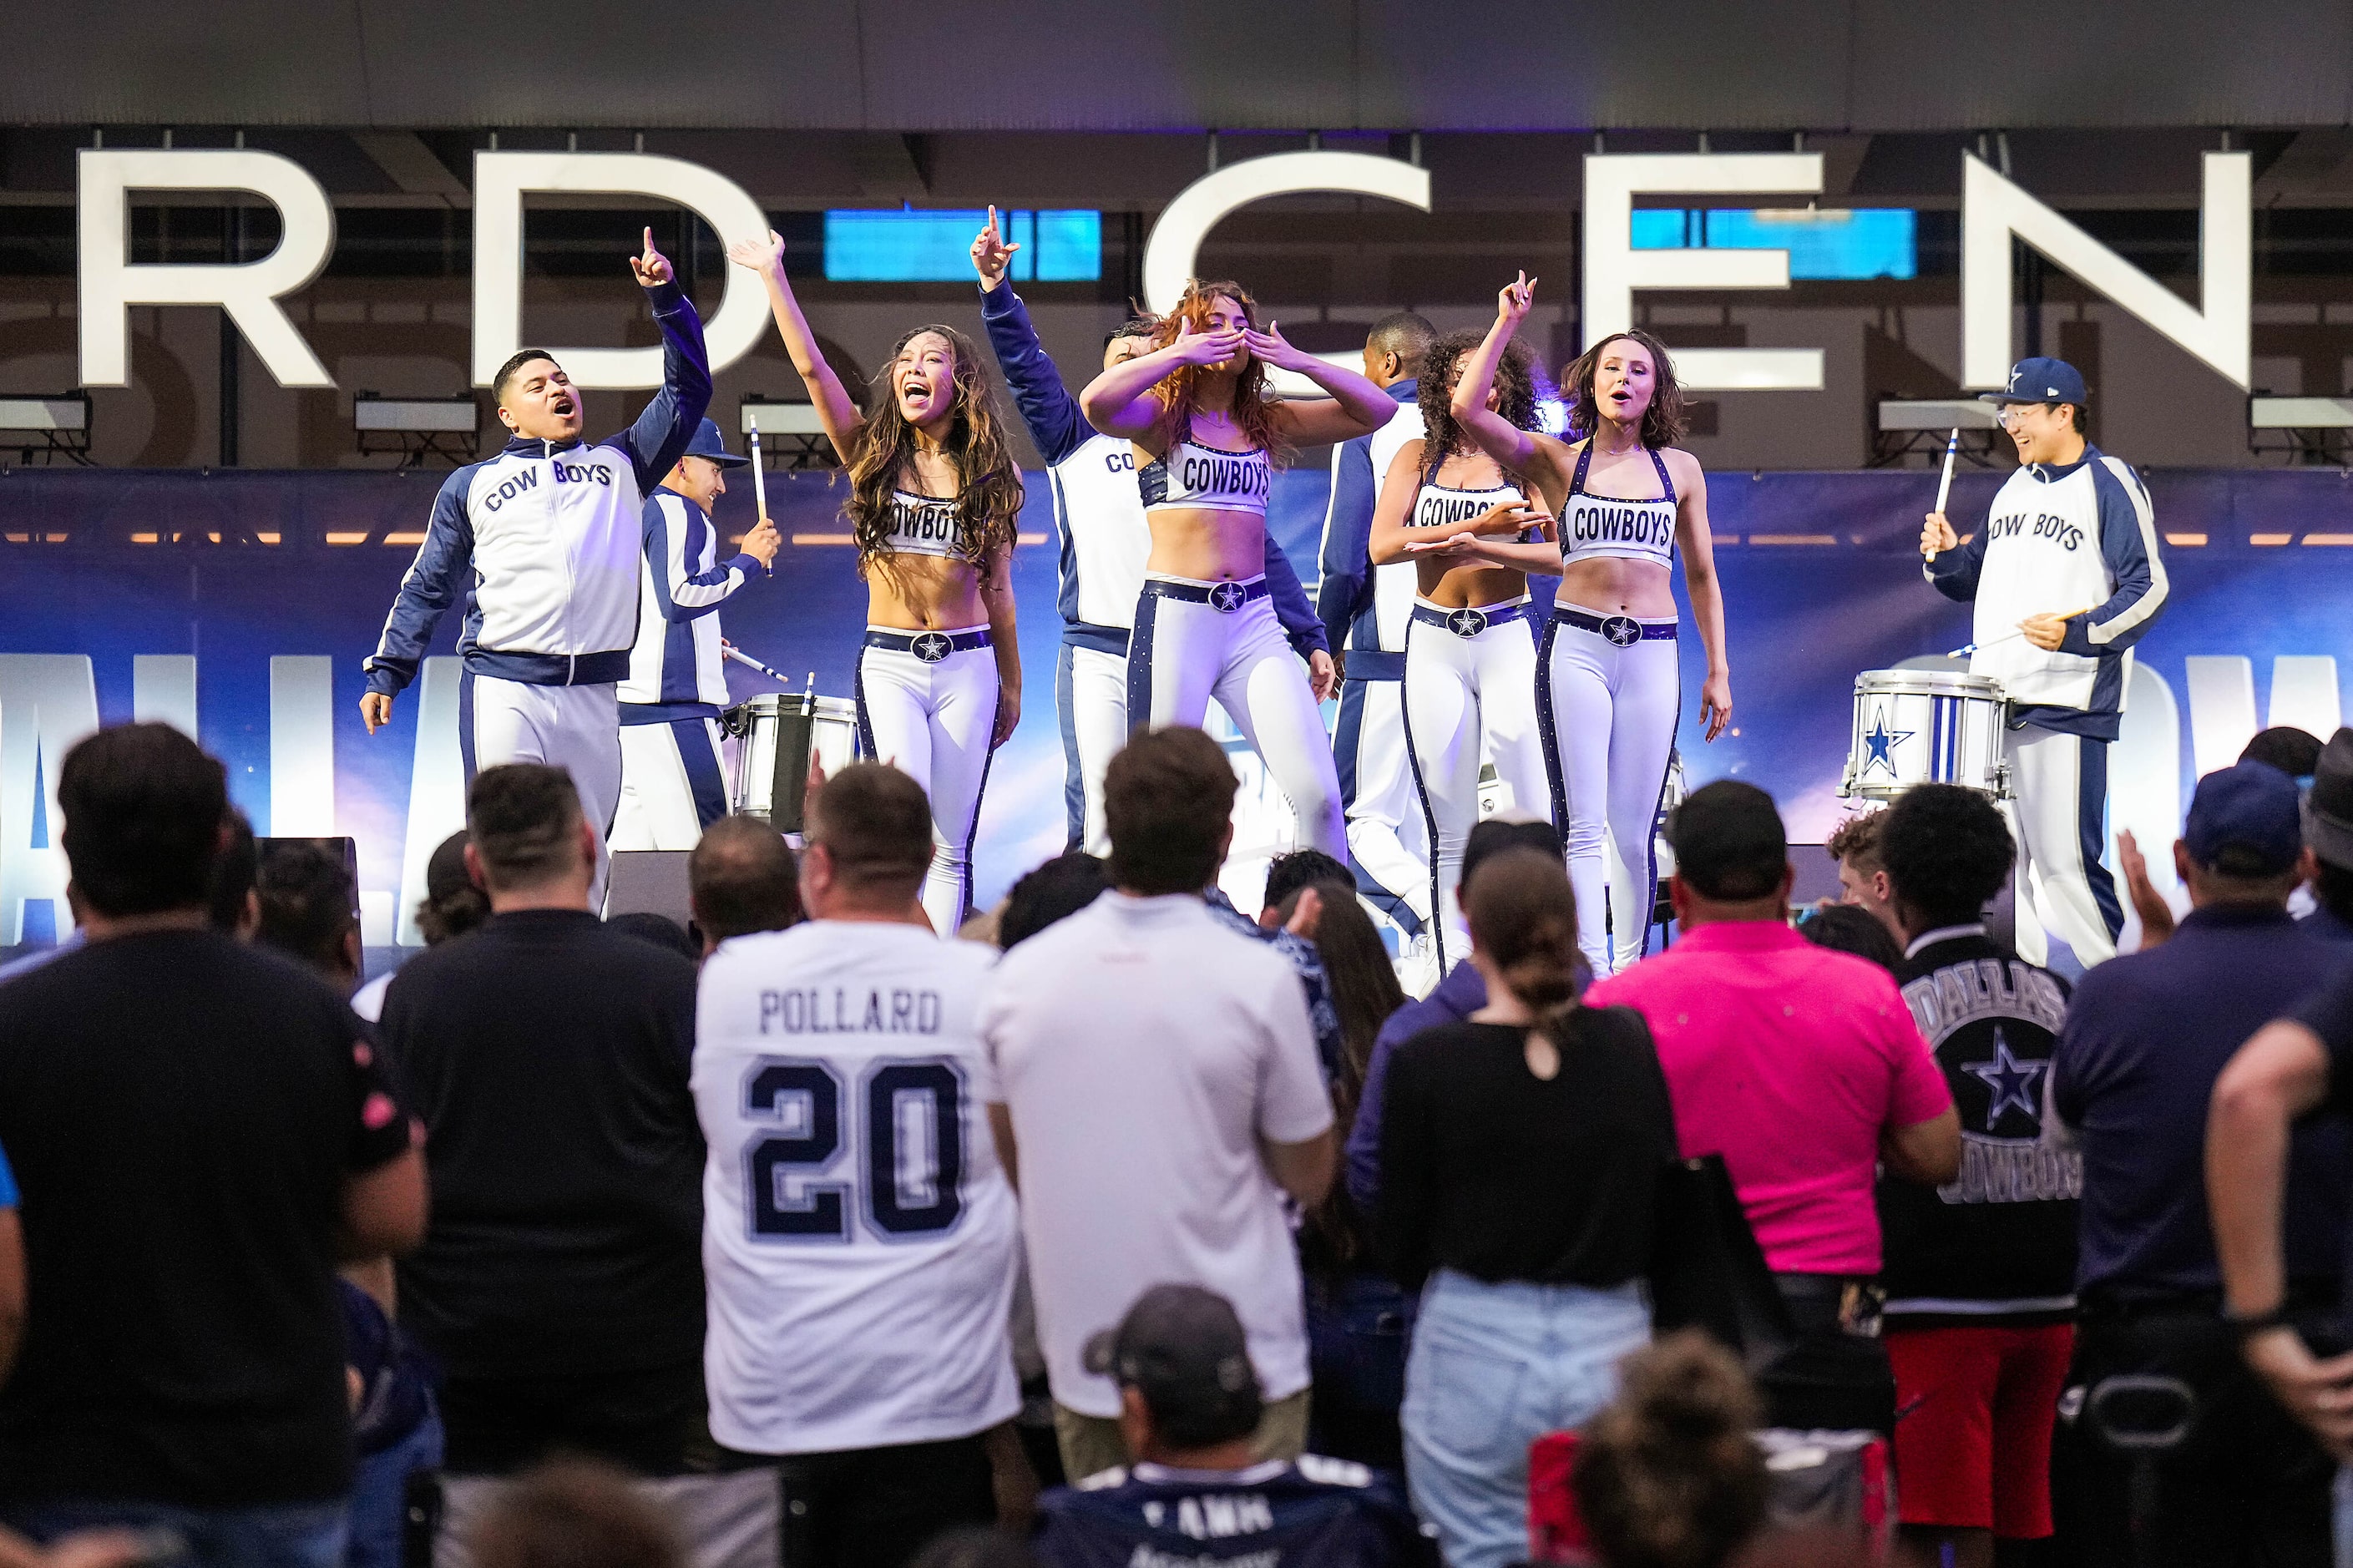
244	602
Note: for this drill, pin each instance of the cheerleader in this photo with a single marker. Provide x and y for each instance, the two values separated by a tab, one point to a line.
1470	656
1207	437
1609	692
934	496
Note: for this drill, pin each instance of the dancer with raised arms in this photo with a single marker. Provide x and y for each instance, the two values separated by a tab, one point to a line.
1207	437
934	497
1469	659
1608	686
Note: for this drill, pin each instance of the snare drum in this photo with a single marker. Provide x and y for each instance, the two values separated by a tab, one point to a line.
774	736
1925	726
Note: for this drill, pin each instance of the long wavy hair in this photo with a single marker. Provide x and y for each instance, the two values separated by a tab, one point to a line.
989	483
1663	422
1253	409
1518	384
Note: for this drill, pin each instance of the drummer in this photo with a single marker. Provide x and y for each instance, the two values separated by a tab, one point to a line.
671	785
2066	577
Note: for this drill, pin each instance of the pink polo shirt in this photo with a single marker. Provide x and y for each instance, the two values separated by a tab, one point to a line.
1788	1059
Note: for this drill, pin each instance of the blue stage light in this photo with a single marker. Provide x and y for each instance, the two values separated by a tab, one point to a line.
1823	242
865	245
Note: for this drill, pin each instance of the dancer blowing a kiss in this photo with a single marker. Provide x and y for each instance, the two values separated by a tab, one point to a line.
1205	437
934	496
1608	689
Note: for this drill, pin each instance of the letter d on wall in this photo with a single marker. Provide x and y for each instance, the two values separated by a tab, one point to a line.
248	291
499	181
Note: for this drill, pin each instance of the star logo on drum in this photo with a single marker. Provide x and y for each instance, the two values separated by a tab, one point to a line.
1622	631
1879	743
931	647
1466	623
2011	1080
1226	598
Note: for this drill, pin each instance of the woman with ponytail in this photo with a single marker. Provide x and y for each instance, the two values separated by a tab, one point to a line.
1521	1151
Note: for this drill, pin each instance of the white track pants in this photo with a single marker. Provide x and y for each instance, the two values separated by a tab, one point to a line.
1389	843
1609	704
932	720
1091	697
2061	786
1184	653
1463	696
576	728
672	786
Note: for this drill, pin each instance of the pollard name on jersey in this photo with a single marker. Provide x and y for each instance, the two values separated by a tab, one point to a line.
850	1010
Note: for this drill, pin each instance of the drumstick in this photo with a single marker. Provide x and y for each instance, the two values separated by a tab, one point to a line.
1970	647
1944	485
730	650
760	476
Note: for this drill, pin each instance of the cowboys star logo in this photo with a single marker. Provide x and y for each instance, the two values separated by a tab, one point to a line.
1879	743
931	647
1226	598
1622	631
1466	623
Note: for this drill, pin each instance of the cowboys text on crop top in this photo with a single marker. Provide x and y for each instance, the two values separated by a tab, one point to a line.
1611	527
1205	479
921	525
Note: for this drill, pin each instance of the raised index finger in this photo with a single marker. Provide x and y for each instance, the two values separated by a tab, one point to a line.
650	239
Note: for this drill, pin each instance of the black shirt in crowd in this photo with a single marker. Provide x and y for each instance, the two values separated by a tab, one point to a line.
1492	1172
548	1057
1996	1245
183	1113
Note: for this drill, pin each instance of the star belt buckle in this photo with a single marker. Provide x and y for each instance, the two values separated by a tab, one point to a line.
1466	623
931	647
1622	631
1226	598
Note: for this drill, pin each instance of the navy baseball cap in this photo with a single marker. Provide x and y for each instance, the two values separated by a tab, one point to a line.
1183	1348
709	443
2041	381
2245	820
2328	810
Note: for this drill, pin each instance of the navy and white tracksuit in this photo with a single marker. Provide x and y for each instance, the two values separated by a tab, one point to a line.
543	543
2056	539
671	788
1469	689
927	706
1195	640
1609	695
1103	542
1366	611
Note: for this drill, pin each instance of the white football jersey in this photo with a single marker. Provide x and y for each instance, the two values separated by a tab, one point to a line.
1395	584
858	1232
1106	536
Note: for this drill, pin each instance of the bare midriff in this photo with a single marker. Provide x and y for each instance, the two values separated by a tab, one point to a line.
1616	586
1206	544
1468	586
922	593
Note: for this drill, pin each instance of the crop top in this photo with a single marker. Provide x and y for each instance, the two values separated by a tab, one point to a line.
922	525
1605	527
1439	506
1204	479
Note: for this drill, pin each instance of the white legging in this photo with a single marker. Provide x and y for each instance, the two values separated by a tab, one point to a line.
1186	648
1608	701
932	720
1470	687
2061	787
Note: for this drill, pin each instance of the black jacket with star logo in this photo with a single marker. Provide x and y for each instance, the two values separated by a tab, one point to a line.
1997	1245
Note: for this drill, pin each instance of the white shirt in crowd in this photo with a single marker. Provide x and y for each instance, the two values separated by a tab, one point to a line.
859	1233
1143	1051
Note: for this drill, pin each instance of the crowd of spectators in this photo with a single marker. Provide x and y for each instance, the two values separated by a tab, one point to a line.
1150	1230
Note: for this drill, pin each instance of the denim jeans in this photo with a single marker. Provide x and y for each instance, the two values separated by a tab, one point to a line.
379	1518
1493	1368
276	1535
1359	1326
2344	1517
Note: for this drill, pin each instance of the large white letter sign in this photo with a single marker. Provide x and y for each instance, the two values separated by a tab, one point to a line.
499	181
1614	268
1176	240
1993	209
248	290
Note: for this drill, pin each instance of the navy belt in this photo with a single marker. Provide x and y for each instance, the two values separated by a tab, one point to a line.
929	646
1223	597
1617	631
1466	622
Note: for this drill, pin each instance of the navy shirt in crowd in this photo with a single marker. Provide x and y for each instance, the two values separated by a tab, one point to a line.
2145	1039
1318	1513
1460	995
